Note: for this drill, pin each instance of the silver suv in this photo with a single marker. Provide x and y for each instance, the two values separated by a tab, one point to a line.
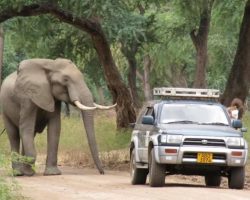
187	132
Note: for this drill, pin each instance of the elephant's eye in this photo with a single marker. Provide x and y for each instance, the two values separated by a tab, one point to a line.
66	79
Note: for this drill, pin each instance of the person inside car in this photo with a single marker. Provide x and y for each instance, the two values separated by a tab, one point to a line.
236	109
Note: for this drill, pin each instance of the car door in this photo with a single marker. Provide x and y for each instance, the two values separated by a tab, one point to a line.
146	132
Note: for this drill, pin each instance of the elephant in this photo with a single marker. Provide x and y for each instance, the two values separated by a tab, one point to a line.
31	100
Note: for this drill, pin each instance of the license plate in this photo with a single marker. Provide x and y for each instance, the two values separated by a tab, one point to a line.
204	157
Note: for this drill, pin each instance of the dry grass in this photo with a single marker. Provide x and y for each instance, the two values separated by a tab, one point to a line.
115	160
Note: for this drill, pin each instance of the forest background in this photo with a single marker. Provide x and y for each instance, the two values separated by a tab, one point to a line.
126	48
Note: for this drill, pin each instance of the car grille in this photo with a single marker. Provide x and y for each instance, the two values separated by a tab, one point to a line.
218	156
204	142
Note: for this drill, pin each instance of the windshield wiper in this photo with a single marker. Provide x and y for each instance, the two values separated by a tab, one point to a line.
182	122
215	123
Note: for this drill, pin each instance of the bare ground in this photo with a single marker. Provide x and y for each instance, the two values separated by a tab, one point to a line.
87	184
84	183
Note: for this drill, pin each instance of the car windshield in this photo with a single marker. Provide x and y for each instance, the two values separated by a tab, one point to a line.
193	113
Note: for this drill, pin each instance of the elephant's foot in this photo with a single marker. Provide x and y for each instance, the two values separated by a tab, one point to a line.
53	170
27	170
22	165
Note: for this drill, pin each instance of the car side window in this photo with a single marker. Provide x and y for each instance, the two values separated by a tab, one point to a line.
146	111
150	112
141	114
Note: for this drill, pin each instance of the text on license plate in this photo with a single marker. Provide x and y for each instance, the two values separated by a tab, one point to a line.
203	157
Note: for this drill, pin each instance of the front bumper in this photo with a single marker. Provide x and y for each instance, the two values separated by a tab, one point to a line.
188	155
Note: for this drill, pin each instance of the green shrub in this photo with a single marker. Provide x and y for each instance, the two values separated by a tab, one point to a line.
9	189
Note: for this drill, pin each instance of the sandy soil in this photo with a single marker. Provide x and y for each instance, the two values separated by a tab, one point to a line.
87	184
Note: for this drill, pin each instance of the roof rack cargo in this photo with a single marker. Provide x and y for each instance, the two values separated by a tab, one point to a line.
187	92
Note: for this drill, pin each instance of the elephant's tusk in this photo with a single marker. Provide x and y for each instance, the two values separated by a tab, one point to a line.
104	107
83	107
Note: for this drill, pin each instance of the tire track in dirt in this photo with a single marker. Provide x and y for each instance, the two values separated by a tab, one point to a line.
87	184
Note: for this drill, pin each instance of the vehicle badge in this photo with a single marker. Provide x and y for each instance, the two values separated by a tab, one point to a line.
204	141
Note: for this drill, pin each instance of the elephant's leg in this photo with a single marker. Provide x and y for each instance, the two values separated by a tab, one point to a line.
26	127
27	164
14	139
54	128
22	149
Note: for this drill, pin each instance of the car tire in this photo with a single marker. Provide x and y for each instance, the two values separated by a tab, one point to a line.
138	176
156	171
213	180
236	178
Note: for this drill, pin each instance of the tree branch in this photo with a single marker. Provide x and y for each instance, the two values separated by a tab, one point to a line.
25	11
139	75
88	25
141	9
194	38
205	18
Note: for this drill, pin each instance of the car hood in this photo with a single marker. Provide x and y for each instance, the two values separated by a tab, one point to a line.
200	130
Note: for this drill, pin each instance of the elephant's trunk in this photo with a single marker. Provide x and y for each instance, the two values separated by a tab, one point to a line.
83	99
88	121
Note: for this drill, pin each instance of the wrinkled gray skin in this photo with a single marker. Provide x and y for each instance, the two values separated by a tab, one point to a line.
31	100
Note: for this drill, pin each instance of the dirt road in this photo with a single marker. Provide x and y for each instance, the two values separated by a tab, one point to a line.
87	184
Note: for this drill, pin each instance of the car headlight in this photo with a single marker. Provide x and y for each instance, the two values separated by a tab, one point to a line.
171	139
235	142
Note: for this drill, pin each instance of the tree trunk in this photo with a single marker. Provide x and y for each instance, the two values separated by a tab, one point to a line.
178	76
200	42
125	110
101	99
238	82
129	53
201	62
1	52
132	81
147	88
120	93
67	110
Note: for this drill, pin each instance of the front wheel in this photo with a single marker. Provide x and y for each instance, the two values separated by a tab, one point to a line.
156	172
138	176
213	180
236	178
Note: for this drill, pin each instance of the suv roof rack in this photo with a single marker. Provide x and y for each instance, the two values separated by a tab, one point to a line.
187	92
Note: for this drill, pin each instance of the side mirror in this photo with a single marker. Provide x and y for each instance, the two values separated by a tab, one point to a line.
243	130
236	123
148	119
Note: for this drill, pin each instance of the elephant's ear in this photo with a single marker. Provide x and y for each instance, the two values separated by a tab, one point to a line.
32	82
